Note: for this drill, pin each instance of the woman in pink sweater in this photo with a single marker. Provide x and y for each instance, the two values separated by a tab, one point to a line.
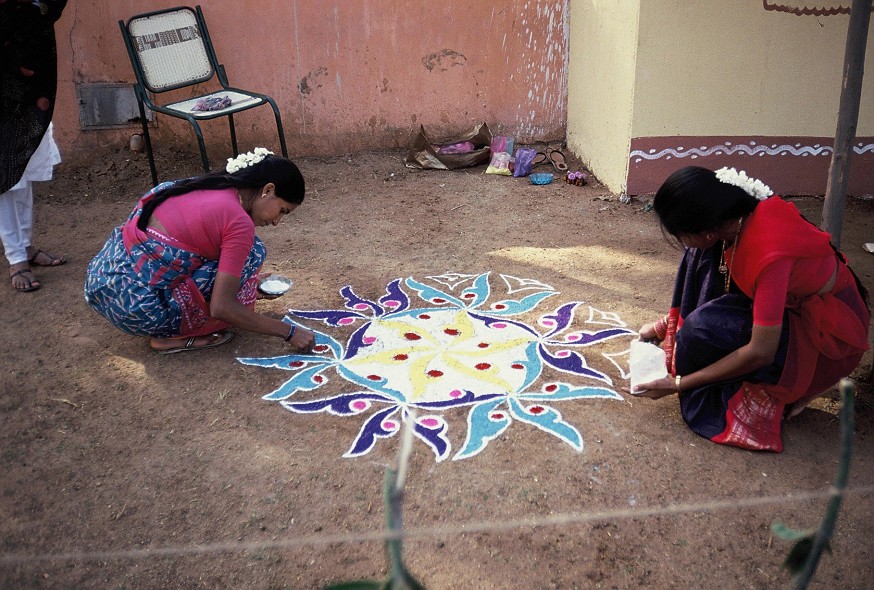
184	266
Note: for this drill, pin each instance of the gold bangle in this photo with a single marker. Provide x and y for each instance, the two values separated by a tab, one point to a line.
677	382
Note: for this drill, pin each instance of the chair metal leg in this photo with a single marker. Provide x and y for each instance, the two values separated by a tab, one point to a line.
233	134
203	159
279	128
148	141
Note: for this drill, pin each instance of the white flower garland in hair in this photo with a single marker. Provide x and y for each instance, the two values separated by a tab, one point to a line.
751	186
247	159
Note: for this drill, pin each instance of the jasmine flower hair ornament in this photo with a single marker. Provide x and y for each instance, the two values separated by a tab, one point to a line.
247	159
751	186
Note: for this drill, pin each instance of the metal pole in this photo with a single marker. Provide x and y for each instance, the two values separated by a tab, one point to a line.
848	116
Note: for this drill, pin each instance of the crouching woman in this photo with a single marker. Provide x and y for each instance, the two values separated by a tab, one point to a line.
184	266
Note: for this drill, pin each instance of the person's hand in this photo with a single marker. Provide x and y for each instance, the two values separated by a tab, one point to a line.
654	389
302	341
647	333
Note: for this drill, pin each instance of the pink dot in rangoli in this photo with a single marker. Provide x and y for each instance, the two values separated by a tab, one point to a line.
451	332
429	422
536	410
497	416
573	337
412	336
296	364
551	387
389	425
455	393
517	366
547	322
360	306
359	405
369	339
435	373
391	303
424	316
374	377
400	357
499	325
563	354
483	366
438	300
345	321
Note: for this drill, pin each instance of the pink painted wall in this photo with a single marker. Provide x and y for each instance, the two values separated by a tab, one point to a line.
347	75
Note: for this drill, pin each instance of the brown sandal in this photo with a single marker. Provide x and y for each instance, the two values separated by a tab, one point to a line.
55	260
32	283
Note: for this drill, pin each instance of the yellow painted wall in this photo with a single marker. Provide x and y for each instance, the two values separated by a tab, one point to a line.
601	84
733	68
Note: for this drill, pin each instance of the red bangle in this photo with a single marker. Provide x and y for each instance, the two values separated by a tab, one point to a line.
661	328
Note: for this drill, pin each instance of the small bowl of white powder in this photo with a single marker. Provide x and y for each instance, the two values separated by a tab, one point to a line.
274	285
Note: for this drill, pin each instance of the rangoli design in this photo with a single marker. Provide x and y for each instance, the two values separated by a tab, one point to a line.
459	350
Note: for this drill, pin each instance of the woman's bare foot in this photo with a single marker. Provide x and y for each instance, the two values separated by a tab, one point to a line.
22	278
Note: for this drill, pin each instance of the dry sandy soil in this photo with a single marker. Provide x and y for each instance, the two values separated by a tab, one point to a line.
120	468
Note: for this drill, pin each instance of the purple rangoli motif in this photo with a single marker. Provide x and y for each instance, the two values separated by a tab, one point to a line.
459	350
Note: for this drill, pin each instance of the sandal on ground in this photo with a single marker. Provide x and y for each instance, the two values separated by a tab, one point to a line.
539	158
558	160
54	260
215	339
32	283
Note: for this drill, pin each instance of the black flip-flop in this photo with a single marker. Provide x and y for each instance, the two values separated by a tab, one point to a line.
222	338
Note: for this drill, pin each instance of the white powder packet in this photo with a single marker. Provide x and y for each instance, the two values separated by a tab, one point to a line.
646	362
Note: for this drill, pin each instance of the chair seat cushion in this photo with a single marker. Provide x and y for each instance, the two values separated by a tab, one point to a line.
239	101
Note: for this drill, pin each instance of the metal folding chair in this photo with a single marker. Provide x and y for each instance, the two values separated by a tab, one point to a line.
171	49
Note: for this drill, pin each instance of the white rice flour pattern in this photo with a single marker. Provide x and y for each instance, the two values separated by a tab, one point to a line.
459	350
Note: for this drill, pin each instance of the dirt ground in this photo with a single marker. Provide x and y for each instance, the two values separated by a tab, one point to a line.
120	468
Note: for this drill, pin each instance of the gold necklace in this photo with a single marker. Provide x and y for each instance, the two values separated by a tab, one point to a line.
726	268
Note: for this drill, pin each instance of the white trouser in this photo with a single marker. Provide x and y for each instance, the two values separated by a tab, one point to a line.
16	221
16	204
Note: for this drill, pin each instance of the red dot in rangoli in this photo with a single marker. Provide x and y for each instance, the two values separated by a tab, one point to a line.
451	331
499	306
551	387
483	345
400	357
296	364
320	348
438	300
318	379
536	409
483	366
374	377
497	416
424	316
517	366
469	295
435	373
412	336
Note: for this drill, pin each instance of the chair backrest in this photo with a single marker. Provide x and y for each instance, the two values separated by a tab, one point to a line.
169	49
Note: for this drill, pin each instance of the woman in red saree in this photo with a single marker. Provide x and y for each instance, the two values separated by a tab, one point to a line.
766	314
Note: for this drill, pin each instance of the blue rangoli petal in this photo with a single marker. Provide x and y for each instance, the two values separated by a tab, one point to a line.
395	299
547	419
484	424
432	295
434	435
478	293
306	380
573	362
370	431
514	307
563	391
340	405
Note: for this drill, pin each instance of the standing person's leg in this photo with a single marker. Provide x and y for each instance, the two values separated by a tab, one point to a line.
16	220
